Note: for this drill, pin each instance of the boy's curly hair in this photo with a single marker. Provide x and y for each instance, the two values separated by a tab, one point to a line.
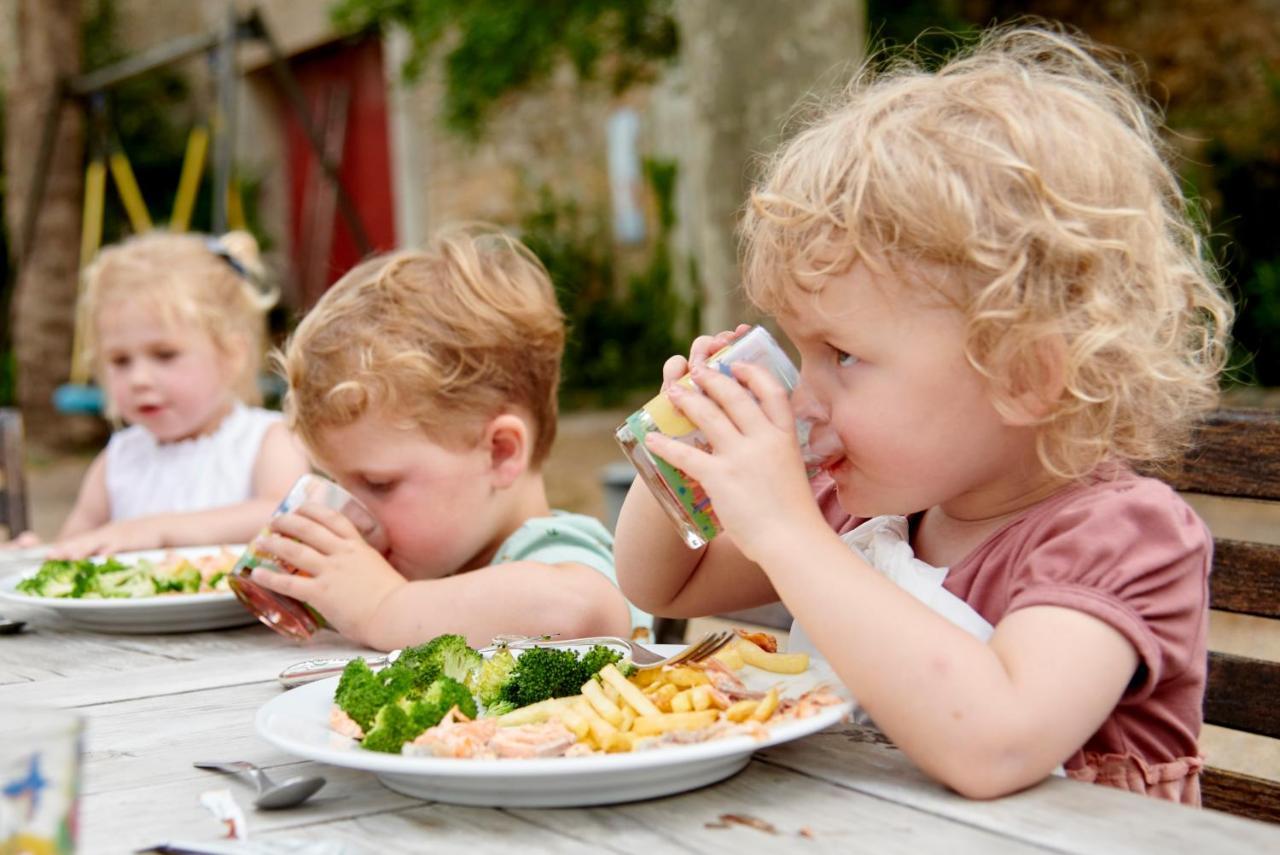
1029	166
443	338
214	284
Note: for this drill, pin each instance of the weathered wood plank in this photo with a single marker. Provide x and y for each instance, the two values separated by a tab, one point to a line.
1236	453
1242	694
159	676
1243	795
1245	578
1063	815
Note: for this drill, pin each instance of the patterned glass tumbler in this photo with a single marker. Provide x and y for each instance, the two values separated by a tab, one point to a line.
39	780
682	497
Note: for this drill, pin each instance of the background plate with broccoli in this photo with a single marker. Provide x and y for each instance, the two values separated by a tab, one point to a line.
158	590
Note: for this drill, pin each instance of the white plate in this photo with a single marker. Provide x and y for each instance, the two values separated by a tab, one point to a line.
169	613
298	722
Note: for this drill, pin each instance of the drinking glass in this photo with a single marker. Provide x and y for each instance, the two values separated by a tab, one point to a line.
287	615
39	779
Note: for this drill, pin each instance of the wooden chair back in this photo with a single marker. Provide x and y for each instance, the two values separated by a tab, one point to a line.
1237	455
13	490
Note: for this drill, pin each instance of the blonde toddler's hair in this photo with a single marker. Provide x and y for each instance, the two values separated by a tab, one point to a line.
214	284
441	339
1027	167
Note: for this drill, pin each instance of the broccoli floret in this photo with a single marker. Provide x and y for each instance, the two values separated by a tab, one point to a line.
541	673
59	579
441	696
595	659
487	683
361	693
498	708
185	578
454	656
392	728
416	662
114	579
442	656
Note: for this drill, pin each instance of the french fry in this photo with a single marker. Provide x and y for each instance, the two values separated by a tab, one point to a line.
647	677
610	692
594	693
534	713
601	731
629	693
628	718
652	725
768	704
742	710
730	657
685	677
575	721
778	663
662	697
621	742
682	702
701	697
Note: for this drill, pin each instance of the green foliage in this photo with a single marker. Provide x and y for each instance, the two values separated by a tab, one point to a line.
618	337
501	46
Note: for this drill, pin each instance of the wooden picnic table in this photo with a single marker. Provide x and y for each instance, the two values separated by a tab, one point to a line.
153	704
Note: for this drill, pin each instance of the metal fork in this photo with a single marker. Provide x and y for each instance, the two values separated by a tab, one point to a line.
644	659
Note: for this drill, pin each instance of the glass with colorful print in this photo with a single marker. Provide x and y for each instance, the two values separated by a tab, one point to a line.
681	497
39	780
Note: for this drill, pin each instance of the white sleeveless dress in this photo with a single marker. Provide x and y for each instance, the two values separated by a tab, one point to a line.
146	477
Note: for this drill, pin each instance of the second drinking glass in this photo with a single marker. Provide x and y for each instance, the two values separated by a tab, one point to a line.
286	615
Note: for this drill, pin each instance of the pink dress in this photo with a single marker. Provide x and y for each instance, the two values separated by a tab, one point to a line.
1128	551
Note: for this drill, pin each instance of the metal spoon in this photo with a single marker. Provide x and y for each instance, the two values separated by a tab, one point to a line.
11	627
271	795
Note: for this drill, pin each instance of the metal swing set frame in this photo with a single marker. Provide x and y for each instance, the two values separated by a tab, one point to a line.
107	156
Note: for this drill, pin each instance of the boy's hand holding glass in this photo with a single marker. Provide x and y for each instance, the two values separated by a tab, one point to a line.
340	575
755	473
322	550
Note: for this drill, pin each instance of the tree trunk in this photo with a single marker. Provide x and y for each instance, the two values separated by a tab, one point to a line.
747	64
43	307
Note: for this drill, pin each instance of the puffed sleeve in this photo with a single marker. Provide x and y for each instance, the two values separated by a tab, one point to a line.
1135	557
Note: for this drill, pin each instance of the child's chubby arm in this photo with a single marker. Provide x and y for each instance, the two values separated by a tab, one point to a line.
985	718
363	597
88	530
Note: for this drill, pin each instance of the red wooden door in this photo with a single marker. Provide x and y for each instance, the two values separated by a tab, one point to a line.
345	89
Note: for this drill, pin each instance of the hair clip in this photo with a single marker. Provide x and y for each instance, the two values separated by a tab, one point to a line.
218	248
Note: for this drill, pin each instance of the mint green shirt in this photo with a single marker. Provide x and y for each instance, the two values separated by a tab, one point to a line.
564	537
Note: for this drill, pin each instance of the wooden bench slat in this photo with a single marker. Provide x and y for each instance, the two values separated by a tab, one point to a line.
1245	578
1241	694
1242	795
1237	453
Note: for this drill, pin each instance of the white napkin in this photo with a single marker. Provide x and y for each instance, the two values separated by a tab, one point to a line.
883	543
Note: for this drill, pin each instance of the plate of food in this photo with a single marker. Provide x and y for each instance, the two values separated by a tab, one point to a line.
553	725
149	591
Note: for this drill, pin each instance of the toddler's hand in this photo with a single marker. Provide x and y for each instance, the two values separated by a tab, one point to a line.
26	540
702	348
754	473
345	579
123	536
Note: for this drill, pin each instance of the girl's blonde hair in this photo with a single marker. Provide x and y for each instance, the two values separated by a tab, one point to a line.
214	284
443	338
1029	167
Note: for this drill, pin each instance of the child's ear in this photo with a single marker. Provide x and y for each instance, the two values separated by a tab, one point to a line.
1037	383
506	438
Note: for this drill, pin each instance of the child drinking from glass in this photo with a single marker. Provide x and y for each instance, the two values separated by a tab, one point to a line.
424	382
175	327
1001	304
